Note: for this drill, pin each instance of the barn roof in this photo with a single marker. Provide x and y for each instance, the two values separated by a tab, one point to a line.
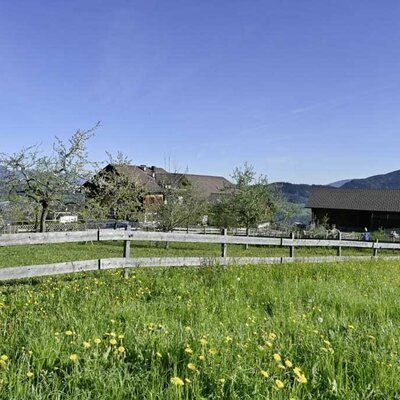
355	199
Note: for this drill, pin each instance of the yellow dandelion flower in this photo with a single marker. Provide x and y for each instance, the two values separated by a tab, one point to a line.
113	342
97	340
4	357
279	384
188	350
265	374
177	381
268	343
202	358
222	380
29	374
297	371
74	357
86	345
280	366
193	368
228	339
271	336
288	363
121	349
203	341
69	333
213	351
121	336
277	357
301	378
188	328
113	334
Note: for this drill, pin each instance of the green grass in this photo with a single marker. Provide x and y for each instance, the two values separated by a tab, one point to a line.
338	322
41	254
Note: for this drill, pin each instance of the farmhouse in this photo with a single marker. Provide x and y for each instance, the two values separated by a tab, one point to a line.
155	179
355	208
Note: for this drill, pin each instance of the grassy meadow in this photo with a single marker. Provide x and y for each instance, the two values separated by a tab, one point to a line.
299	331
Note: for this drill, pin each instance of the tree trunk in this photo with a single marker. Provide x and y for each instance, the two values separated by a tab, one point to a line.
43	216
36	220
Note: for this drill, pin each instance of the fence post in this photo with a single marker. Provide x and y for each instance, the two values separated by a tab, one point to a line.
224	246
375	248
292	247
127	245
127	252
339	249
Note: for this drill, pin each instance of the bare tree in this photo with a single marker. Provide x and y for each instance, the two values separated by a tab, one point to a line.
49	180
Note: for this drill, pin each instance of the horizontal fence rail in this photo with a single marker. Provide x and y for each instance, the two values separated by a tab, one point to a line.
128	236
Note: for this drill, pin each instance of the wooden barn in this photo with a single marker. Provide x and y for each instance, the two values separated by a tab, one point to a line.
355	208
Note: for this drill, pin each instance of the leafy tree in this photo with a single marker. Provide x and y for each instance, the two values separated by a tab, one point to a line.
49	180
114	193
249	203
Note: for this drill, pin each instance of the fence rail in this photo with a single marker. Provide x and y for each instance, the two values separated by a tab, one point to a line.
128	236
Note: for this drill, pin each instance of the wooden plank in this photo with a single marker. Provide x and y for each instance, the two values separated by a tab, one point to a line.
325	243
47	237
48	269
186	238
111	263
389	246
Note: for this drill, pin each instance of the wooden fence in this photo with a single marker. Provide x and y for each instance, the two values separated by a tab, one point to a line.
128	236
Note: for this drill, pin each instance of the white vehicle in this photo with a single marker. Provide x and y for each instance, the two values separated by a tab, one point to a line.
65	219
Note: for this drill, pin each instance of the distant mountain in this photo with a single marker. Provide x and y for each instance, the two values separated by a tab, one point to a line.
390	180
339	184
294	192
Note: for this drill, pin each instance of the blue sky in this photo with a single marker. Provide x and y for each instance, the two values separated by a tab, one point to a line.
306	91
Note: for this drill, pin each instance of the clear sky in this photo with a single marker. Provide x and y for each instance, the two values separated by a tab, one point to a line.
305	90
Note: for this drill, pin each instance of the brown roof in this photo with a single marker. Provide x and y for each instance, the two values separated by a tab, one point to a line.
154	178
206	184
144	177
355	199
